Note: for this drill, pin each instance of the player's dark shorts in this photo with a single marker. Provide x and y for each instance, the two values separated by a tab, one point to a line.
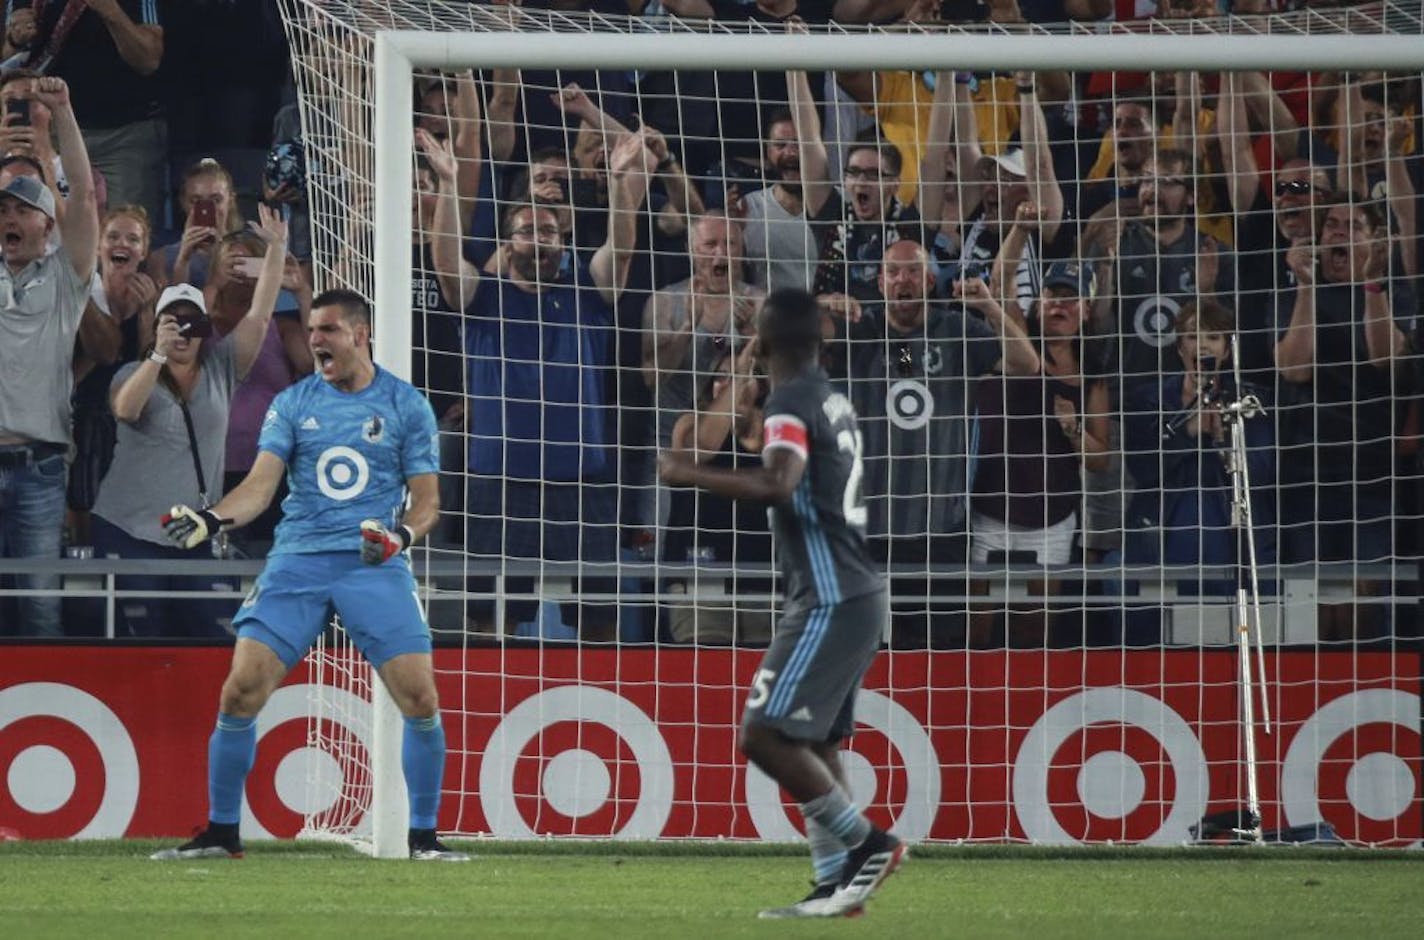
808	678
296	595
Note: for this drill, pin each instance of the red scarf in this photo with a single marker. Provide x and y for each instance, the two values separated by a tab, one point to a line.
49	42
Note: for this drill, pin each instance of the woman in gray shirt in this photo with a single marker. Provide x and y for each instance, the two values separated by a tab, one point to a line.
187	376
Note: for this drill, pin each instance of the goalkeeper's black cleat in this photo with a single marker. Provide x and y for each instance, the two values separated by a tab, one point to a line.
815	904
209	843
425	846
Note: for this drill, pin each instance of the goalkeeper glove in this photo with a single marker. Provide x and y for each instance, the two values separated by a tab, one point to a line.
379	543
189	528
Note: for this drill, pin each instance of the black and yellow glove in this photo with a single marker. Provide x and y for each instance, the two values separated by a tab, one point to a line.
188	528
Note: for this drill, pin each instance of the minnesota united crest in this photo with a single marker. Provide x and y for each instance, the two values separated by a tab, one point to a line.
373	430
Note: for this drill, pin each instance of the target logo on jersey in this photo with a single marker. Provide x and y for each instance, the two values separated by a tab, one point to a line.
910	404
342	473
1155	321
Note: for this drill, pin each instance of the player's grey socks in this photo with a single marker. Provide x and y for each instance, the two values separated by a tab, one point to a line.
828	854
839	816
231	750
423	762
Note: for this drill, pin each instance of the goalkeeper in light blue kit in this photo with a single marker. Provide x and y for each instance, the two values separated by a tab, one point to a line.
354	440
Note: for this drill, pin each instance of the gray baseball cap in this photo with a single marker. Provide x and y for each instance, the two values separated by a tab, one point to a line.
31	192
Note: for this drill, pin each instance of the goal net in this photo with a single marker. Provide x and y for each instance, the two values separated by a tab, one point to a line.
1131	331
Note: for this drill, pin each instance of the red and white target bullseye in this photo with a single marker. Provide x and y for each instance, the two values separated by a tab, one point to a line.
1109	763
577	778
577	760
1343	767
67	763
891	765
291	779
1111	782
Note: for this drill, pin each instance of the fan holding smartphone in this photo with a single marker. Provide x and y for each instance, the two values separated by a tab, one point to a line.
17	135
190	379
209	202
24	122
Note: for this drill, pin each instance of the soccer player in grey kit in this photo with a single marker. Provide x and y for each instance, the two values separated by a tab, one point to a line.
801	704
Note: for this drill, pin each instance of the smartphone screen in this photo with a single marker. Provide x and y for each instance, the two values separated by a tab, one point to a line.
205	213
20	107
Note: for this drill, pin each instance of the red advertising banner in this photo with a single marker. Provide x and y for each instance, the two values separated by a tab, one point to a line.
1059	747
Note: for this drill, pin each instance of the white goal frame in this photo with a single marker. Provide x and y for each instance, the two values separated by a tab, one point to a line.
396	55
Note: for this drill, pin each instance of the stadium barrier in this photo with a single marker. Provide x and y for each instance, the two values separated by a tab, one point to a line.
1288	613
1054	748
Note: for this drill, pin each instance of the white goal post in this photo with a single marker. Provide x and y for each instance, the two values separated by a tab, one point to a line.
395	55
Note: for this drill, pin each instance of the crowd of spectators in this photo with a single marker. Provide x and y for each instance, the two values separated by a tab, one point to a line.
138	344
1039	289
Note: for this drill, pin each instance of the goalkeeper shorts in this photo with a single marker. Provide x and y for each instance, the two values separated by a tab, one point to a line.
296	595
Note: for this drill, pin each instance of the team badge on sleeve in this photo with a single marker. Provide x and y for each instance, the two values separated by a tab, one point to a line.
785	431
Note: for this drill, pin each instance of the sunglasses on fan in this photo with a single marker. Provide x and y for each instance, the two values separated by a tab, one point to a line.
1295	187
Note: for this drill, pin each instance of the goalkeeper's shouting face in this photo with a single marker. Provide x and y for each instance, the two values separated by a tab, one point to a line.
536	244
340	338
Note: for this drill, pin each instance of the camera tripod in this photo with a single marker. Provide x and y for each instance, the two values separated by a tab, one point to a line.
1235	410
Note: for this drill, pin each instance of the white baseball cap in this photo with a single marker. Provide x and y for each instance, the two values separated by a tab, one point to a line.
181	293
1010	161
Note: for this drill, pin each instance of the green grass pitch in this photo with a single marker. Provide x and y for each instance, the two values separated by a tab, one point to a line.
689	891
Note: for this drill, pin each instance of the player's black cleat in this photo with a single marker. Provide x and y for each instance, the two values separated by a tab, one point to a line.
815	904
209	843
425	846
866	868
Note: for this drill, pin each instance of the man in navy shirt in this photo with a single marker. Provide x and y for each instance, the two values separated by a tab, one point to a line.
541	360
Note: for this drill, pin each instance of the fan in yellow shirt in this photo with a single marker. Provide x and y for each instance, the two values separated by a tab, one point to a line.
900	102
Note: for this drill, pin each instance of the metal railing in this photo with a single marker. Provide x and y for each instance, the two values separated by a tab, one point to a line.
1290	593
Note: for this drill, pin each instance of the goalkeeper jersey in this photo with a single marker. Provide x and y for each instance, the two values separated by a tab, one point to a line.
348	455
